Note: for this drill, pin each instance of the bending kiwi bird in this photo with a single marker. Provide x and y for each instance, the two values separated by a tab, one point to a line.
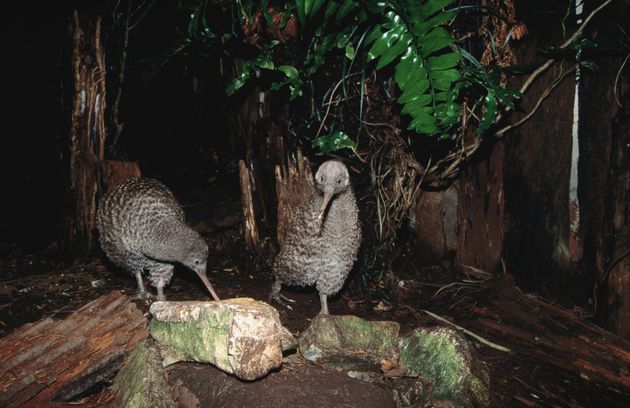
323	239
142	228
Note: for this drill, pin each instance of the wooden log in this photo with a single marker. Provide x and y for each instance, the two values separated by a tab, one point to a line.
294	183
51	361
556	336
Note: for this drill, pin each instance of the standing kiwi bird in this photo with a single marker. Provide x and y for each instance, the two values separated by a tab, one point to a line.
323	239
142	228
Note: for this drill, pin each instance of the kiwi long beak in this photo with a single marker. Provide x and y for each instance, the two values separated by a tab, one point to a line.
328	194
204	279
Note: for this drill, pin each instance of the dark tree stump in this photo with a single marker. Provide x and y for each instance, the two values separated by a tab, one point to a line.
87	133
294	183
114	172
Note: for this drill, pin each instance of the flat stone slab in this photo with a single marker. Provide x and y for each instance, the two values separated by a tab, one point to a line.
241	336
349	342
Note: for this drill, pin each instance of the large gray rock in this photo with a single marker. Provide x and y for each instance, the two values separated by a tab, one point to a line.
349	342
443	358
241	336
141	382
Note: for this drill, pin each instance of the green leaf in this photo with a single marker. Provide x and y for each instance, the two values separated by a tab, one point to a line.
410	69
424	124
289	70
590	65
308	4
265	11
265	62
374	34
342	40
441	96
377	49
435	40
431	6
420	28
350	52
413	91
444	61
300	8
447	75
394	51
331	9
346	7
489	112
296	92
235	85
418	106
333	142
317	4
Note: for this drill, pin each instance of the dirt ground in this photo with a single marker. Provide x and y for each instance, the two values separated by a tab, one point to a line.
33	286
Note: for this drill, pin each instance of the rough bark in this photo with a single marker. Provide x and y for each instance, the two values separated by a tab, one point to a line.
56	361
114	171
481	212
537	173
605	175
435	223
277	174
555	335
255	136
616	276
294	183
87	133
250	222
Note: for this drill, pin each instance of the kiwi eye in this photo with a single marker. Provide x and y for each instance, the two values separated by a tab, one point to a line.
197	261
338	181
321	179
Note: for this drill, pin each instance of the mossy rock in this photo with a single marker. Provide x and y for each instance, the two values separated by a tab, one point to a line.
443	358
349	342
241	336
141	383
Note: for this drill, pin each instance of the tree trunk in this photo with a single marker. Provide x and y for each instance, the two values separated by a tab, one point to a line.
87	133
604	187
538	157
250	221
618	300
114	172
480	212
269	154
435	222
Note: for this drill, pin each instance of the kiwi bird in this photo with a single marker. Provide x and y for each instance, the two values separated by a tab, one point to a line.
142	229
323	239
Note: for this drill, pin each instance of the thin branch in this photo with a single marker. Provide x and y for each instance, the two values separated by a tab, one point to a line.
468	332
623	64
565	44
457	157
544	96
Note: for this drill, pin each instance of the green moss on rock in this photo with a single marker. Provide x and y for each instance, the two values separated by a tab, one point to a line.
443	357
141	382
349	342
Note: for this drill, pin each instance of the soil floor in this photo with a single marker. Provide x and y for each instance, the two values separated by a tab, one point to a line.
33	286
